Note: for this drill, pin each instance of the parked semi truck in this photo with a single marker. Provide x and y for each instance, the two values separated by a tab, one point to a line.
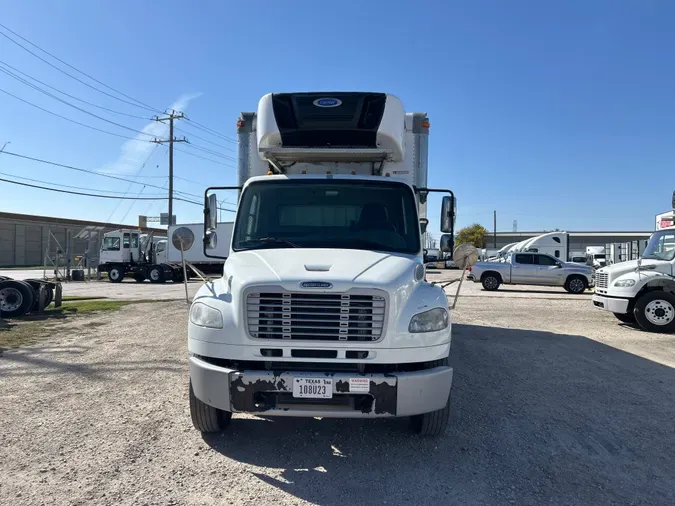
642	291
127	252
323	309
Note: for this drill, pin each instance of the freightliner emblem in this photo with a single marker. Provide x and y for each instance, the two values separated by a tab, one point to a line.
316	284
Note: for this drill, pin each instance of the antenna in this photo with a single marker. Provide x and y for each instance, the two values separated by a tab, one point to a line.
515	225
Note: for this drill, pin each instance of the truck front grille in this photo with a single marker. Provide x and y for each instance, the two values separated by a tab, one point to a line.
601	279
315	316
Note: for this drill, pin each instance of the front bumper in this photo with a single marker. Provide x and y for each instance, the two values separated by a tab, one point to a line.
615	305
270	392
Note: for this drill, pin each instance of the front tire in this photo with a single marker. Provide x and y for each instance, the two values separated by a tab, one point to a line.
115	275
655	311
576	285
156	274
491	282
206	418
432	424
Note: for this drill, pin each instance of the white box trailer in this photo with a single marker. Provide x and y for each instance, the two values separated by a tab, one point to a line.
195	255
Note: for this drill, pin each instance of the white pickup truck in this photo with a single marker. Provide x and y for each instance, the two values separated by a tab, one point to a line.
532	269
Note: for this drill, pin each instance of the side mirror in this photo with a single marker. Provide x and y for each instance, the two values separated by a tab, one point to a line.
210	239
423	225
448	212
211	212
447	243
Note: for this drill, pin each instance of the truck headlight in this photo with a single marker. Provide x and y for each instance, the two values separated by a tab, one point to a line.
429	321
206	316
624	283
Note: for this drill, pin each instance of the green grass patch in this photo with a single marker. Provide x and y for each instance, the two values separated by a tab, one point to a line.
25	268
69	298
31	329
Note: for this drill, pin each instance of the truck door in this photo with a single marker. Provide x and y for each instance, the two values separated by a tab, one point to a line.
126	251
523	269
110	249
549	272
135	249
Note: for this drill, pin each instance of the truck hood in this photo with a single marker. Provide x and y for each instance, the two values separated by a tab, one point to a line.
343	268
617	270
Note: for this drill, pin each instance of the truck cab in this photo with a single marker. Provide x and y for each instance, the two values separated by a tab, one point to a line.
642	291
323	309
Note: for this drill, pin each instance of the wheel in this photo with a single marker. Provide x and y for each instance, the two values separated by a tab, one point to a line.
206	418
156	274
35	284
491	282
655	311
625	317
50	296
432	424
139	278
115	275
575	285
16	298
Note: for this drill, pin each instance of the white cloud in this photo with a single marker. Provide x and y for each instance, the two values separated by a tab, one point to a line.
133	153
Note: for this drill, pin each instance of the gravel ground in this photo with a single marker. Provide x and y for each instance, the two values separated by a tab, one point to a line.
127	290
552	402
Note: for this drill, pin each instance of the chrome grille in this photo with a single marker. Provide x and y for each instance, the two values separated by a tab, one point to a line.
315	316
601	279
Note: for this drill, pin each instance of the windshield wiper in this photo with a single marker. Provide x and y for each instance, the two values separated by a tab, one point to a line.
269	240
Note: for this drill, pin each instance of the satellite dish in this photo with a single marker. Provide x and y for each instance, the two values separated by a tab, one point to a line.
465	255
183	238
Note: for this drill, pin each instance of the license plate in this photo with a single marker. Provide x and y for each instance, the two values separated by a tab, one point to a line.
313	388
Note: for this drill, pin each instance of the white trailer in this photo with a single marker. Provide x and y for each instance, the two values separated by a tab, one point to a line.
196	255
323	309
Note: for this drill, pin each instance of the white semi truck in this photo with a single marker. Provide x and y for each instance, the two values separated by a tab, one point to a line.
642	290
323	309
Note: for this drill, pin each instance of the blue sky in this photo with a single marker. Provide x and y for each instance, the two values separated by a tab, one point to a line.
556	114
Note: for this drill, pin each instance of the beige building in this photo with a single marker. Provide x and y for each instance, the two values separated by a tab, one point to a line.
26	239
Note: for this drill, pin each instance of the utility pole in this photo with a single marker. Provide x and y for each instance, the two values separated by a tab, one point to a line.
495	229
172	116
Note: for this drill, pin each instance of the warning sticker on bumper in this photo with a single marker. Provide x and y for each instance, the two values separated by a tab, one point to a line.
359	385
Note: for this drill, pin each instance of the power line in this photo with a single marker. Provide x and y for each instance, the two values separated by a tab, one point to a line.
211	152
135	103
86	171
58	184
203	158
209	130
11	74
71	120
192	134
143	106
130	183
73	96
201	204
80	193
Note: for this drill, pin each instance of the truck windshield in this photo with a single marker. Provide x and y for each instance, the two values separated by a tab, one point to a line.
366	215
661	246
